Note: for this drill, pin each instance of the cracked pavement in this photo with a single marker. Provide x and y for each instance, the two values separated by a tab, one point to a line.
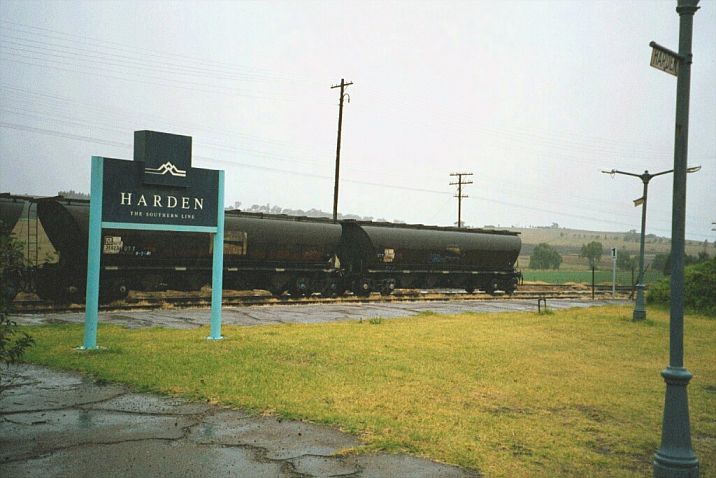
63	424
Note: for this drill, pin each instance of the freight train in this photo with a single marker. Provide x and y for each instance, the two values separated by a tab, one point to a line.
282	254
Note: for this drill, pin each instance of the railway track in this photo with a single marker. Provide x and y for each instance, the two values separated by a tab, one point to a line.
29	304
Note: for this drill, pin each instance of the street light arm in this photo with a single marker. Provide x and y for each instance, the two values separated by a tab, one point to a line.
616	171
663	172
647	176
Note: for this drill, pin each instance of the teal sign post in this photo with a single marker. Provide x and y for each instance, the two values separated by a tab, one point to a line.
158	191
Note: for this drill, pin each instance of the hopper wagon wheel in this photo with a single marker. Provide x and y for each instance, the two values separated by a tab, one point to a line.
362	287
277	285
492	286
301	287
120	288
112	290
75	294
330	289
470	288
511	286
388	287
117	289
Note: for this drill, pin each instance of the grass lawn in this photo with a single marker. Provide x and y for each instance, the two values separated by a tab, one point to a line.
573	393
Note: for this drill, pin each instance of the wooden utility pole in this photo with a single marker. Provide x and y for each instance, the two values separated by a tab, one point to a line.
459	195
342	86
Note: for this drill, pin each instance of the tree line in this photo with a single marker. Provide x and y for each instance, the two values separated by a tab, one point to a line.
545	256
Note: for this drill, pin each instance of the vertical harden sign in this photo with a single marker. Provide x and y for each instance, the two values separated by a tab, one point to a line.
158	191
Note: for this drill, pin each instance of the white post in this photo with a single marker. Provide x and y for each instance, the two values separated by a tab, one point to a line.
614	272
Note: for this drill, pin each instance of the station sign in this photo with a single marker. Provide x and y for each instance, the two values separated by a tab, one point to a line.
664	59
158	191
159	186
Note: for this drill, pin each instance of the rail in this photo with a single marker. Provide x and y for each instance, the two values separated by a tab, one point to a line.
173	299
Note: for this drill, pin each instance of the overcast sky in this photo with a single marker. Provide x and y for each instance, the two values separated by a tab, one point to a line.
533	97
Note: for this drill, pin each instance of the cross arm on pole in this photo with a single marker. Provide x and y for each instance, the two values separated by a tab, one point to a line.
616	171
646	176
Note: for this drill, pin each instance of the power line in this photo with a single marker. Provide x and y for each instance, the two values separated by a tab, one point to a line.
532	140
55	36
132	56
554	146
486	199
37	101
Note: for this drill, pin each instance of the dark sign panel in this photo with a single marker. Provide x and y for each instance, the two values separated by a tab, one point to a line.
166	158
127	198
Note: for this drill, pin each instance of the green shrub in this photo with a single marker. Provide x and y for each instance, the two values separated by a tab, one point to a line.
545	256
699	288
12	342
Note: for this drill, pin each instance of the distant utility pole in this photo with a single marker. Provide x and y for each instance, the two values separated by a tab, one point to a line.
459	195
342	86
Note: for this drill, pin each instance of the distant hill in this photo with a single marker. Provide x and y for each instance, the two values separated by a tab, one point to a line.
568	242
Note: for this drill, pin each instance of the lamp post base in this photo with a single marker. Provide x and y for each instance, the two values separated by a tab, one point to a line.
669	467
675	458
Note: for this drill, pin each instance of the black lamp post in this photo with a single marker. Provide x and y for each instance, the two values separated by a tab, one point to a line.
640	307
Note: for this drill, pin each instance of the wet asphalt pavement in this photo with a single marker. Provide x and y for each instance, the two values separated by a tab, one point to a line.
63	424
300	313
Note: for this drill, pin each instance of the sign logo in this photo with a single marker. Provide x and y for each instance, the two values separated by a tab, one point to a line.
166	158
165	168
